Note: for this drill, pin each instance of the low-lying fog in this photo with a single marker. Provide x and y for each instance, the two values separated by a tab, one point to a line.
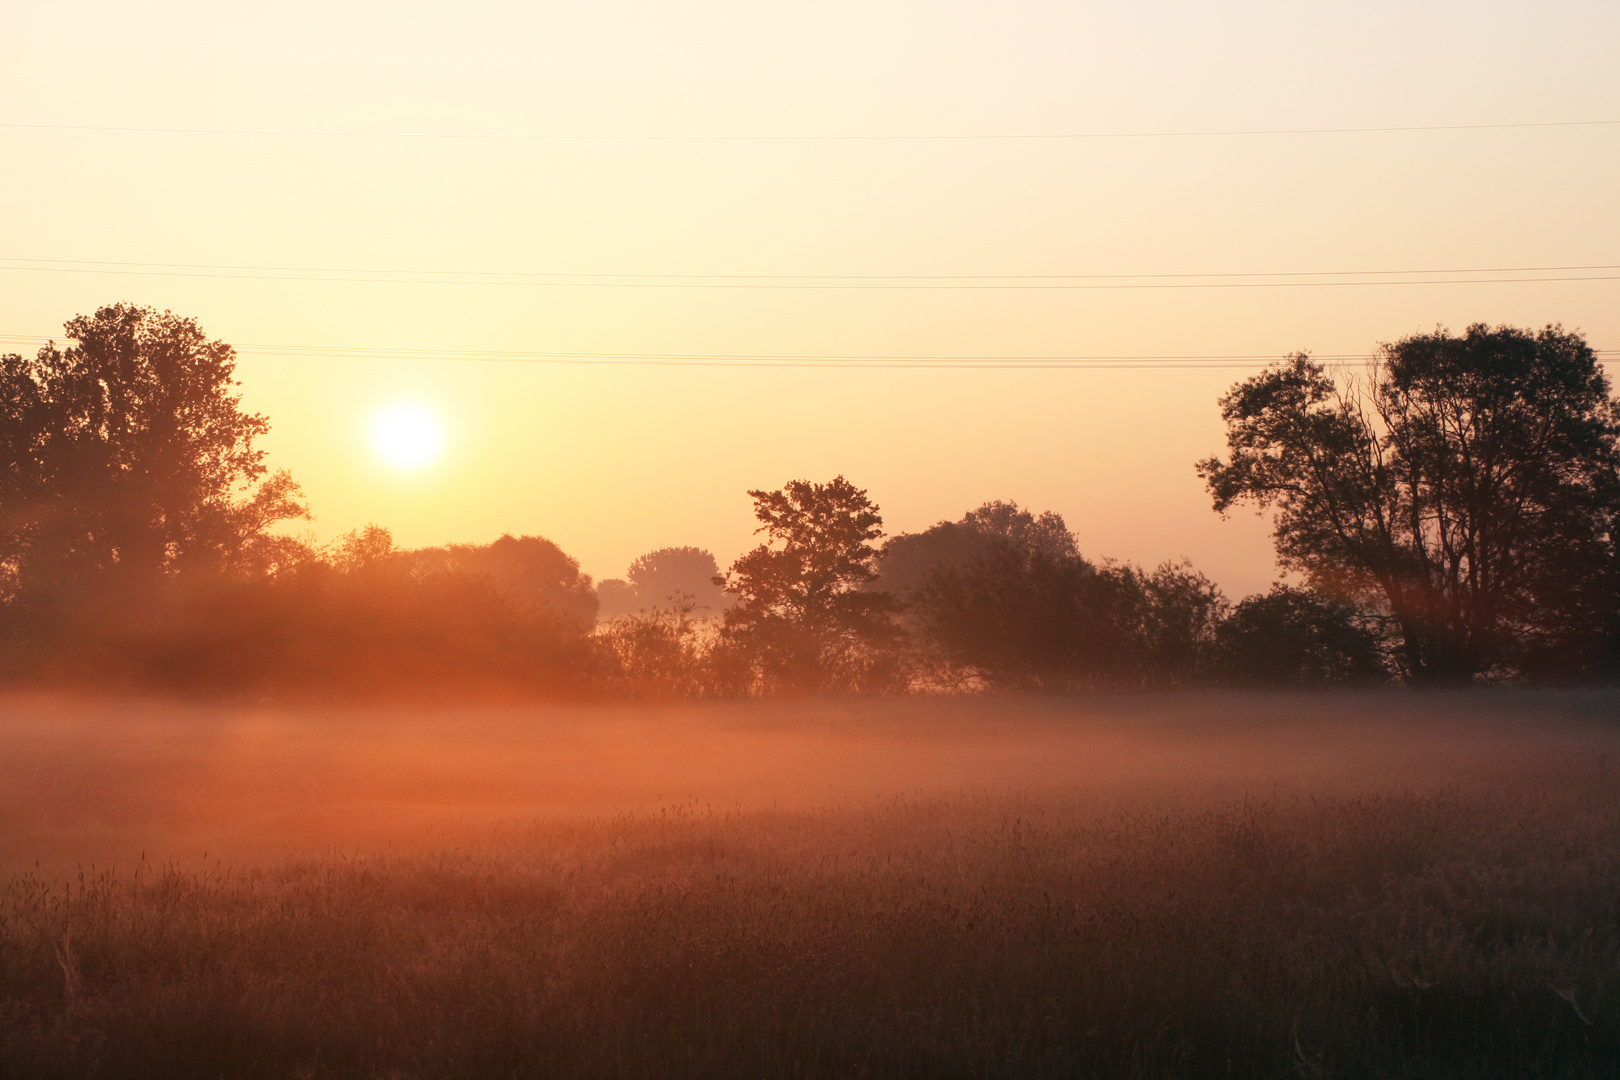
106	781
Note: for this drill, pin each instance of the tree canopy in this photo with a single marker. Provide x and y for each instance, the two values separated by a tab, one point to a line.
1295	637
1466	485
802	619
908	560
128	455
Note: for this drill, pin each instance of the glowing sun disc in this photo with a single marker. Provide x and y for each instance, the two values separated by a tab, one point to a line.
407	435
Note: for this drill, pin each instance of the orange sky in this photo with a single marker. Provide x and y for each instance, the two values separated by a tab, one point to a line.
611	461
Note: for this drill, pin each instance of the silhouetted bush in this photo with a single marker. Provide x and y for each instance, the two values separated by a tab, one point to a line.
1297	637
1002	599
660	653
1026	620
361	619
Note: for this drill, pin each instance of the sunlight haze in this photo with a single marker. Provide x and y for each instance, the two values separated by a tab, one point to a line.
407	435
396	195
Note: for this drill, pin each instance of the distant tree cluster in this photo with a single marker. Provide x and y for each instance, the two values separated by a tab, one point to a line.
1000	600
670	576
137	547
1448	515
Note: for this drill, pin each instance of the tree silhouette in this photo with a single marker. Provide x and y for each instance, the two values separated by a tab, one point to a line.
1467	485
364	617
1032	618
907	560
127	458
660	575
1296	637
802	621
529	571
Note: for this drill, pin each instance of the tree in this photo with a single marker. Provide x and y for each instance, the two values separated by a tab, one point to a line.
1296	637
802	621
658	652
1172	630
1466	486
689	572
1029	618
662	580
1015	618
530	571
128	457
361	550
907	560
1004	599
366	617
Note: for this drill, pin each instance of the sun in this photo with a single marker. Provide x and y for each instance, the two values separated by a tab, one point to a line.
407	435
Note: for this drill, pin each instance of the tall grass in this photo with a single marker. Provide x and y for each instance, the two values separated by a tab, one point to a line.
1461	931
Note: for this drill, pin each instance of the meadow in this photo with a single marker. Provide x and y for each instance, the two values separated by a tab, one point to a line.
1376	884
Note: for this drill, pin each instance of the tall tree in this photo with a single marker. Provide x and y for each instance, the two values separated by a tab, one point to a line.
1467	486
802	621
128	455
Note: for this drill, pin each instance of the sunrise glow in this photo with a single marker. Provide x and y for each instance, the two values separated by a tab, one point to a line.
600	540
407	435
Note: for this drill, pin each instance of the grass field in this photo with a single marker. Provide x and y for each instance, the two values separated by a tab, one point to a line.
1367	885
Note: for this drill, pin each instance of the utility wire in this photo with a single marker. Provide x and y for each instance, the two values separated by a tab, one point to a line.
982	137
138	267
919	360
814	286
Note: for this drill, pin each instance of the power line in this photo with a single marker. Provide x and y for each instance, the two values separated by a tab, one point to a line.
96	264
813	286
803	360
980	137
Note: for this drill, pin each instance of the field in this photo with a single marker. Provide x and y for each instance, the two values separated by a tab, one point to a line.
1384	884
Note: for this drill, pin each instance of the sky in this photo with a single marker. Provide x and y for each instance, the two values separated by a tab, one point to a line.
482	209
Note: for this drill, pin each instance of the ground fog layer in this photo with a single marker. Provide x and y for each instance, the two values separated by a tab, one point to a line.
1362	885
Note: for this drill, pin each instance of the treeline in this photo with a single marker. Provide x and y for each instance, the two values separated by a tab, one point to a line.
999	600
1448	517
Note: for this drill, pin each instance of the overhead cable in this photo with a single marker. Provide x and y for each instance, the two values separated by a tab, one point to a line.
800	360
847	138
812	285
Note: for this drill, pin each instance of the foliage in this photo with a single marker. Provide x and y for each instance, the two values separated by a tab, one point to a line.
907	560
359	618
803	621
660	653
1014	619
130	476
128	455
1466	485
1297	637
1006	601
656	578
370	619
529	571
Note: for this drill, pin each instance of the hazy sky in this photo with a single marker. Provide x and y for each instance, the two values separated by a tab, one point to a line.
613	460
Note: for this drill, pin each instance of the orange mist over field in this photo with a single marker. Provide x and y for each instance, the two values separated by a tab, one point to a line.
87	782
